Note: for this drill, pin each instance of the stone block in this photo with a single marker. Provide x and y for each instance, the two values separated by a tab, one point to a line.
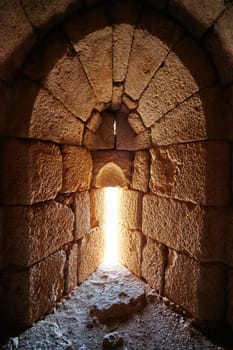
153	264
28	294
230	298
195	119
197	172
77	169
44	14
34	232
82	214
116	164
184	72
141	172
136	123
117	93
130	211
62	74
41	116
97	207
153	38
71	274
219	44
16	35
91	37
130	249
95	121
196	16
31	172
91	251
197	288
129	103
124	16
127	139
203	233
104	137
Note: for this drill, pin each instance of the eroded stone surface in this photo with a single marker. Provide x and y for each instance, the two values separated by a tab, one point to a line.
29	294
130	247
185	70
16	36
153	37
82	214
197	118
130	209
35	232
95	121
198	288
62	74
71	273
92	39
31	172
136	123
153	264
103	138
41	116
77	168
90	254
125	297
97	207
194	172
196	17
189	228
141	172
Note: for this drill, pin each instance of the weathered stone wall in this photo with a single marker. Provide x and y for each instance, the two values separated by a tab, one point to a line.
118	95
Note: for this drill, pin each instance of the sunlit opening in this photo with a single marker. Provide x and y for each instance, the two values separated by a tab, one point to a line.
111	223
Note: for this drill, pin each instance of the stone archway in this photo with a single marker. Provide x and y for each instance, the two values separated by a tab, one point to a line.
160	89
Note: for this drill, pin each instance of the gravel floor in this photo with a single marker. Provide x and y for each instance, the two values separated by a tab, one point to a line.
141	324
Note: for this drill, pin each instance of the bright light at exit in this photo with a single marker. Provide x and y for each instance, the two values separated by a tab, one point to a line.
111	218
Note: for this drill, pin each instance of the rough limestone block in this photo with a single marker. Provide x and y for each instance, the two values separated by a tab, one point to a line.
136	123
127	139
141	172
197	172
71	273
130	211
198	288
91	37
95	121
91	251
31	172
219	44
62	74
124	16
16	37
104	137
30	293
185	71
117	93
153	38
118	162
97	207
230	297
129	103
196	16
200	232
130	246
34	232
41	116
82	214
77	169
195	119
153	264
43	13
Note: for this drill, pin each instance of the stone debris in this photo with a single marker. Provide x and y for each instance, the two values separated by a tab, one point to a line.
112	341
